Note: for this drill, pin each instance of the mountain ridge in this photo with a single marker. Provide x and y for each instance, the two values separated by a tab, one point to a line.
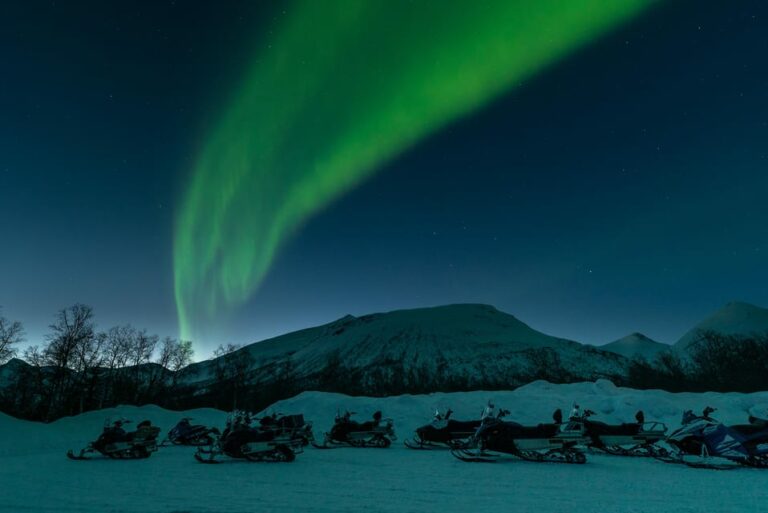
735	318
637	345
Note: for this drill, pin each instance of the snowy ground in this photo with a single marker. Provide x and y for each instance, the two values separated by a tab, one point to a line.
35	475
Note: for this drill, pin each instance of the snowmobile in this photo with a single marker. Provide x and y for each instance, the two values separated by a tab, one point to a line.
241	440
186	433
443	432
631	439
554	442
378	432
289	425
117	443
705	442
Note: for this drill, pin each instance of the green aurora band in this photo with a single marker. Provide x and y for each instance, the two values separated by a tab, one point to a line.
340	88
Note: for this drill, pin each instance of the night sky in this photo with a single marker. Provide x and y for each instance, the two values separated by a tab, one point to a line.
622	188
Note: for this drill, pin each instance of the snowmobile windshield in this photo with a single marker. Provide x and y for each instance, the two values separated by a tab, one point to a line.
688	417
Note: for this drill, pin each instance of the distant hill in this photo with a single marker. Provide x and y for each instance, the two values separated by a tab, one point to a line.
735	318
635	345
465	346
448	348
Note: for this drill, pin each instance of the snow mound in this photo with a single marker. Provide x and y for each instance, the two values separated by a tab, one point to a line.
36	477
529	404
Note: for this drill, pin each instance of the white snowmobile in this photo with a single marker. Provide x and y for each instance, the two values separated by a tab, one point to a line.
554	442
704	442
630	439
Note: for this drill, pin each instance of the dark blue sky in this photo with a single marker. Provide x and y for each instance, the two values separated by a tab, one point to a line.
621	190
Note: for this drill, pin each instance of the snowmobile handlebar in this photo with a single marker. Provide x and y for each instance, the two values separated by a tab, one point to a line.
109	422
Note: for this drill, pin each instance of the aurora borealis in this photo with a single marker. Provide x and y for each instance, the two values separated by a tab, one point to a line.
338	90
247	169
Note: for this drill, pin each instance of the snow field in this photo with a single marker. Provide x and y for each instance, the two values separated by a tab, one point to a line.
35	476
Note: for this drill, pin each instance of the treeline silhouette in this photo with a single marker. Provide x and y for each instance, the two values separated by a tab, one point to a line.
80	368
715	362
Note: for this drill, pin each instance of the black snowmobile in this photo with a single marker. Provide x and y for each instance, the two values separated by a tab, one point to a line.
378	432
186	433
443	432
293	426
554	442
117	443
242	440
631	439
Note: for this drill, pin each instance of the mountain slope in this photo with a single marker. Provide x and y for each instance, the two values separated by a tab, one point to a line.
735	318
445	347
635	345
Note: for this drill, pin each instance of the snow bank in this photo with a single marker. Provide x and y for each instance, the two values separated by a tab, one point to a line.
532	403
36	477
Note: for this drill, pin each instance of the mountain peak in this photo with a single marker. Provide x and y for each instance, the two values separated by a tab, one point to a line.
739	306
735	318
471	344
636	344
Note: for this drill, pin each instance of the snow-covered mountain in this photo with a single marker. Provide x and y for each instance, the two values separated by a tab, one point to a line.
735	318
462	346
444	348
9	371
636	345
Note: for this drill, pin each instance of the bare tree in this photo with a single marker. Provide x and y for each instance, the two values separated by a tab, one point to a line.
11	334
174	355
34	356
142	347
73	326
117	349
168	348
231	365
78	368
183	356
116	353
68	350
89	357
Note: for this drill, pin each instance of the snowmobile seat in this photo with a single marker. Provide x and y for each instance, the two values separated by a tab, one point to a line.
368	425
268	421
601	428
145	432
115	434
463	426
515	430
749	429
291	421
